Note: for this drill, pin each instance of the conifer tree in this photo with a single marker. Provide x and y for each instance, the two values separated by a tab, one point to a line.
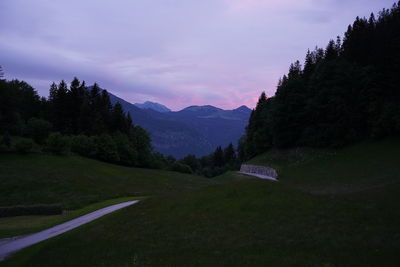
1	73
229	154
118	118
331	51
218	157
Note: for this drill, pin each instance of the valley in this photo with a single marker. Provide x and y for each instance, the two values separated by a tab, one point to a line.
309	175
197	130
315	222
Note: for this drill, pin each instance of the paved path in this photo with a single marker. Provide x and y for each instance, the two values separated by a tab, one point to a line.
259	176
11	245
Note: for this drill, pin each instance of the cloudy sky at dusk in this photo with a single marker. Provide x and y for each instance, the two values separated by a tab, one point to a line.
176	52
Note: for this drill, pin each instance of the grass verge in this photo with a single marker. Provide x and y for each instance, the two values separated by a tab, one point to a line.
21	225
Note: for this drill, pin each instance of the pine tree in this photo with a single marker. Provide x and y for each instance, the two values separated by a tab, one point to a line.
118	119
129	120
1	73
295	70
331	51
53	92
309	65
76	101
218	157
95	92
62	108
229	154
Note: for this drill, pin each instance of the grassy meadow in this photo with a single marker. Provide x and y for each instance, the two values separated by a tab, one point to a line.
330	208
76	181
21	225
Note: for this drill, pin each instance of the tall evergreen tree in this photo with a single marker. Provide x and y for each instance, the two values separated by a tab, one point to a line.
76	100
345	93
118	119
229	154
1	73
218	157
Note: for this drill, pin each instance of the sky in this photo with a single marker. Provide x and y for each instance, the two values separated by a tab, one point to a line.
175	52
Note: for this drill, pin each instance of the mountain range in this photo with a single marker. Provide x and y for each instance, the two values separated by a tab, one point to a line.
152	105
194	130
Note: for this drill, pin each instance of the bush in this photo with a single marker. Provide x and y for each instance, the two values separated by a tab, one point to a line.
38	129
191	161
57	143
106	149
5	142
23	145
158	161
30	210
207	172
142	144
179	167
126	151
83	145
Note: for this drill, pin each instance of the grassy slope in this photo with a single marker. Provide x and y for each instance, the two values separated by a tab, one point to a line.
252	222
352	169
21	225
75	181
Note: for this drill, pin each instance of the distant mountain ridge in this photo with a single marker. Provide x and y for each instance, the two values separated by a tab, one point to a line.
194	130
152	105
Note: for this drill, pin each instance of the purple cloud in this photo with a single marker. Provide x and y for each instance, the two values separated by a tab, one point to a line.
179	53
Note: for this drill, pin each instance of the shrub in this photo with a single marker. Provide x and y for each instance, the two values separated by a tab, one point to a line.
23	145
142	144
30	210
83	145
106	149
126	151
179	167
57	143
5	142
207	172
191	161
38	129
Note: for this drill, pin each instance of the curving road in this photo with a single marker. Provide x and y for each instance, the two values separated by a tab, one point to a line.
256	175
11	245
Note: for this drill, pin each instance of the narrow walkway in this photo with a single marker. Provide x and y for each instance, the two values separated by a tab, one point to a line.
11	245
260	176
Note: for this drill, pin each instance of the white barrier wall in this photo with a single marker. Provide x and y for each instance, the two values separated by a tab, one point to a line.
261	170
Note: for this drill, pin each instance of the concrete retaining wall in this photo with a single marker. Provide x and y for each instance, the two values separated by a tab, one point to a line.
261	170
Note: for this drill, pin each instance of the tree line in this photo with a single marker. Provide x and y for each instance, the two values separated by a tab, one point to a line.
342	94
74	118
80	119
216	163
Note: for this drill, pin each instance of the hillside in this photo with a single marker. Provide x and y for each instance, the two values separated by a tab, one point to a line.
324	171
342	94
194	130
152	105
219	127
252	222
75	181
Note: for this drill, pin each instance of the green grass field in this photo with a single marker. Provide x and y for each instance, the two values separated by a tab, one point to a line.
75	182
356	168
21	225
330	208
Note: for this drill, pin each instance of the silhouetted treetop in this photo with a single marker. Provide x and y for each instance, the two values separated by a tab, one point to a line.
346	92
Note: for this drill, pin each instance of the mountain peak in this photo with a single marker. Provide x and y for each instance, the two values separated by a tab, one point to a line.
152	105
201	108
243	108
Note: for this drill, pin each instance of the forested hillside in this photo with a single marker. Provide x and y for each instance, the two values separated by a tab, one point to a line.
73	118
196	130
342	94
87	121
